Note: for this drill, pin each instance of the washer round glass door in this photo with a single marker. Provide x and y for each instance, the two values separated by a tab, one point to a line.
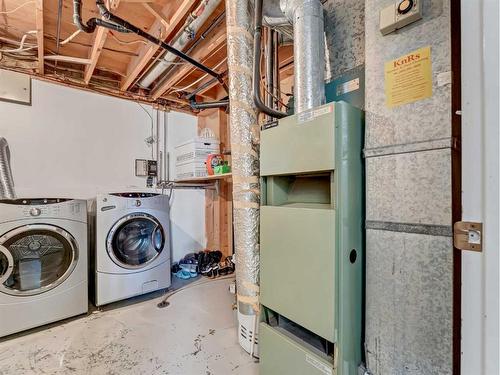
36	258
135	240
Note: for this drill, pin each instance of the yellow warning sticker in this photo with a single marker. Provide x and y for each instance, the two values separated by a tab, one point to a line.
408	78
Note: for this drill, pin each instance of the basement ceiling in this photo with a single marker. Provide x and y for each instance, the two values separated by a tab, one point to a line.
108	61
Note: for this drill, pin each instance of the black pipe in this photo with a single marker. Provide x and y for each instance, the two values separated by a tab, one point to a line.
198	89
207	105
166	75
118	24
256	66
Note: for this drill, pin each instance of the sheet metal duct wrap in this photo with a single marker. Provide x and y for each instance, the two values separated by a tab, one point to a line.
244	153
6	180
308	50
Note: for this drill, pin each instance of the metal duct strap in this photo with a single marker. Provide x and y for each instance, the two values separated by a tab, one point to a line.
245	154
6	180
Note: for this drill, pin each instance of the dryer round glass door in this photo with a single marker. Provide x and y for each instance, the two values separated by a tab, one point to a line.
38	257
6	264
135	240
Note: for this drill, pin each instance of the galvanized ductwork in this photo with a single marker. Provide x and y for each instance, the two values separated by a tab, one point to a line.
245	166
194	22
6	180
308	50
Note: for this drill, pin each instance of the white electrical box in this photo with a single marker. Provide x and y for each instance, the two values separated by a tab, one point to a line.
400	14
15	87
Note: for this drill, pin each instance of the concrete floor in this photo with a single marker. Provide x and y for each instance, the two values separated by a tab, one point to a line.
194	335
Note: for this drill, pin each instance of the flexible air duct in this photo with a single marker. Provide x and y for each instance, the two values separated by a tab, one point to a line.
308	50
191	27
6	180
245	167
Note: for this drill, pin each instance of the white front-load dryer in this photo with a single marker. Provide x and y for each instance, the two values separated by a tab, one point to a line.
132	245
43	262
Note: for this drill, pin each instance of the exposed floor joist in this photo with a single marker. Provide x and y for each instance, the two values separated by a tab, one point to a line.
213	47
100	36
39	36
157	12
147	52
113	63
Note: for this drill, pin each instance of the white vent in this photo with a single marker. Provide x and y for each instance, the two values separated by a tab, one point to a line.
248	333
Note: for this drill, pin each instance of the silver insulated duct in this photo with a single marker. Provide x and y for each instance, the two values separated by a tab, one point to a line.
245	167
6	180
194	22
308	50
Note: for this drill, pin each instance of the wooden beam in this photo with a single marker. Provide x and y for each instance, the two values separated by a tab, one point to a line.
155	11
148	51
39	36
213	47
100	36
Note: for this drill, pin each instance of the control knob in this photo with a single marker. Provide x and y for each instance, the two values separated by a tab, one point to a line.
35	211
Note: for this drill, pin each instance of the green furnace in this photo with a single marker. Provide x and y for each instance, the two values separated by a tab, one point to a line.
312	242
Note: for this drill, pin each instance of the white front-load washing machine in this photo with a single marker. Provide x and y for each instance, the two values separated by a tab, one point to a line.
132	245
43	262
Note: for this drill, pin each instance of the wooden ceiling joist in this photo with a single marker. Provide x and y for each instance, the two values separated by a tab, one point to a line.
39	36
206	50
110	62
68	59
100	36
147	52
157	12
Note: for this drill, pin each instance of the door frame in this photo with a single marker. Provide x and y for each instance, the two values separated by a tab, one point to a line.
480	185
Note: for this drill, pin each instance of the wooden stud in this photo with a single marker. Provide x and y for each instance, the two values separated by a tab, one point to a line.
147	52
218	206
39	36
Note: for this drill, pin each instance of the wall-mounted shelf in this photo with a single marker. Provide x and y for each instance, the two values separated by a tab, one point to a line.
206	178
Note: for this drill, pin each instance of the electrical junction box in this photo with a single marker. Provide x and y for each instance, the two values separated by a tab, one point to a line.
15	87
312	242
400	14
146	168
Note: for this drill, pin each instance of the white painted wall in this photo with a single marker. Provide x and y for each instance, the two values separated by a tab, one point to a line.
72	143
480	185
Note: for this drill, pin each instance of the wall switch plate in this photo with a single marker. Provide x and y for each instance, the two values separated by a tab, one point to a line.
399	14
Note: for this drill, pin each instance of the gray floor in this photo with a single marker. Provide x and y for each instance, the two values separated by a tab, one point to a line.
194	335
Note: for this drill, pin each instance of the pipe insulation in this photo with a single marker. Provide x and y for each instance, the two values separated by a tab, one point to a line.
308	50
245	154
6	180
192	25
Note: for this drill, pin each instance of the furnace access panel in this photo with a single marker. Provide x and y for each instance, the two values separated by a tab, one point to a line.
312	242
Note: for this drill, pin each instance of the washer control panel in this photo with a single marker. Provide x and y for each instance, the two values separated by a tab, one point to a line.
40	208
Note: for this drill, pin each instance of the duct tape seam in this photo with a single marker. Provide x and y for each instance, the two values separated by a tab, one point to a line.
245	204
245	179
